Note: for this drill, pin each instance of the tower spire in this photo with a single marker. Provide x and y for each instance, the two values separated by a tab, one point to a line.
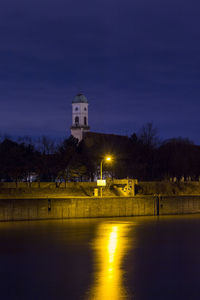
79	116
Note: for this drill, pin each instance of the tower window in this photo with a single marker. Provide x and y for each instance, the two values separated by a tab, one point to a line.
76	108
85	108
77	121
85	121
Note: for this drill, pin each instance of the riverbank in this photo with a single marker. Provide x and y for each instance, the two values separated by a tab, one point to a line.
24	190
36	201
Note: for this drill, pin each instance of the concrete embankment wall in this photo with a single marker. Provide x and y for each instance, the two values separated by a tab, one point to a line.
88	207
32	209
169	205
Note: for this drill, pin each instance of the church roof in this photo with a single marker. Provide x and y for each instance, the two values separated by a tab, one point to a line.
97	145
80	98
105	140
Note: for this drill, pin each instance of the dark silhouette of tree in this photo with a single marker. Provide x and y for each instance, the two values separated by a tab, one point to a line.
16	160
144	145
45	145
148	135
64	157
141	156
178	157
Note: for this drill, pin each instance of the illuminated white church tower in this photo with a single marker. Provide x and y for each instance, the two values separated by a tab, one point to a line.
79	116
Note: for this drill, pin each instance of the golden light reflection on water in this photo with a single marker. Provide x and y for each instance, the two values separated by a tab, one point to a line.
110	247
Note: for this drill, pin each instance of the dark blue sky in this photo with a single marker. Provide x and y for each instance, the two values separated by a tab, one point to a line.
136	62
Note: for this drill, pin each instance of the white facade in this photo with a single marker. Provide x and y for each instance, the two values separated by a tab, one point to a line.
79	116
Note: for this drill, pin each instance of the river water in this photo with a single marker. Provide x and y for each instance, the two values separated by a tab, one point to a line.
113	258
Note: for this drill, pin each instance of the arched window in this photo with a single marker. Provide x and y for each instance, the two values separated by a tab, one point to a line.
85	121
77	121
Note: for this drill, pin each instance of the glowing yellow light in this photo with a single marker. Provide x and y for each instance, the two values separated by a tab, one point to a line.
108	158
111	246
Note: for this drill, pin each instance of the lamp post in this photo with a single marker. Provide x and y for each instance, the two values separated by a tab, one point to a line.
107	158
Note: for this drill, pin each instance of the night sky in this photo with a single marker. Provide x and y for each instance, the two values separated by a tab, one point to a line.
136	61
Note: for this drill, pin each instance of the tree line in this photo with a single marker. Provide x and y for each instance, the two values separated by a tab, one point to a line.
140	156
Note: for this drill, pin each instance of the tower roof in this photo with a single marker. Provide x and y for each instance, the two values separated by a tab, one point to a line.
80	98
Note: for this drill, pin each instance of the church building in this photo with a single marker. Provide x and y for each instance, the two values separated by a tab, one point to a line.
94	144
81	130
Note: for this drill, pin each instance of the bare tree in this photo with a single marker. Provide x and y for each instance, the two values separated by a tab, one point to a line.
148	135
46	145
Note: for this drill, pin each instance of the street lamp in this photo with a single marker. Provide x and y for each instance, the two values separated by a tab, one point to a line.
108	159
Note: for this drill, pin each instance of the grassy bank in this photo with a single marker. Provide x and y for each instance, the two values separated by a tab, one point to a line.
86	189
168	188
